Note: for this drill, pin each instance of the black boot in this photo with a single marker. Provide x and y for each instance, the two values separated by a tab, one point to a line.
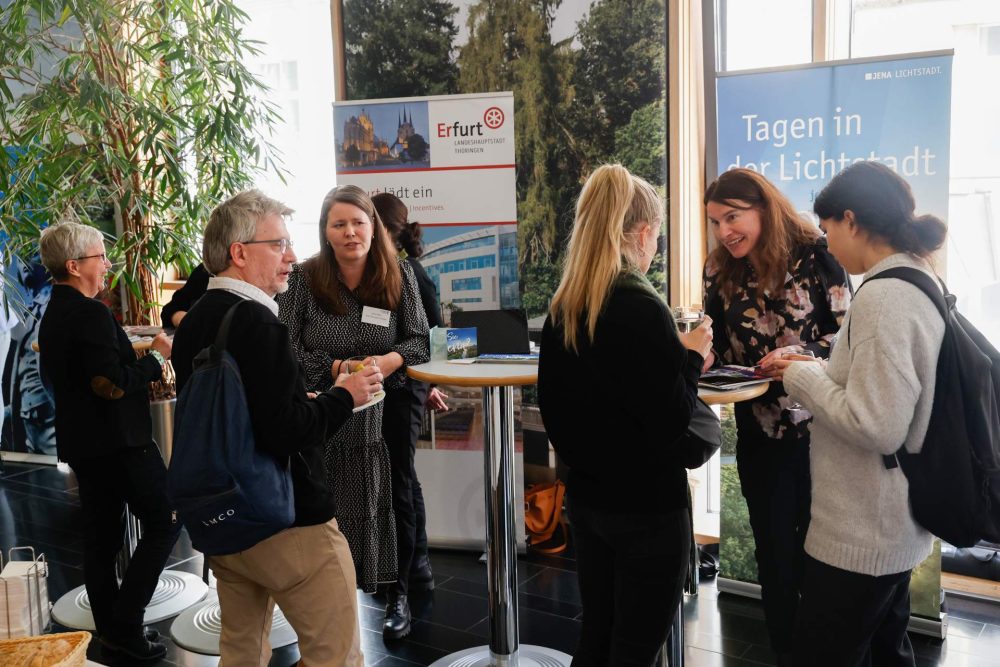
136	647
421	576
397	617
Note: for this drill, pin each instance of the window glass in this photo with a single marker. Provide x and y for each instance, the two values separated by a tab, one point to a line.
765	33
296	62
972	29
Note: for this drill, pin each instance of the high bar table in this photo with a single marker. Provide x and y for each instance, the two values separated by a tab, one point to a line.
497	382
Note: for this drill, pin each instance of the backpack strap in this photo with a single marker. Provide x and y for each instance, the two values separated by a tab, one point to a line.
939	296
222	337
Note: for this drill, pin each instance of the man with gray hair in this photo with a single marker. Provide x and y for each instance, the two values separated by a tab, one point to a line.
307	568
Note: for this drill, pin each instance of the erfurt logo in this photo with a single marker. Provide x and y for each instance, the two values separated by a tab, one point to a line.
215	520
494	117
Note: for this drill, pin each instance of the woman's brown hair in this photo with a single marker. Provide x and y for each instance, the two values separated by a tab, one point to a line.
781	229
381	283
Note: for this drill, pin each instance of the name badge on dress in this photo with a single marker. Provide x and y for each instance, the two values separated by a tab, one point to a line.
377	316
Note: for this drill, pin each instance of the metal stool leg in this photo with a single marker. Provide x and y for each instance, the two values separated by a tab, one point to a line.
672	652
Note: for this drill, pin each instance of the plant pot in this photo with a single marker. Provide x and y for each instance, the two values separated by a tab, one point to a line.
162	413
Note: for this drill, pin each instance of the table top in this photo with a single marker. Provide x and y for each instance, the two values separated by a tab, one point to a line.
721	397
474	375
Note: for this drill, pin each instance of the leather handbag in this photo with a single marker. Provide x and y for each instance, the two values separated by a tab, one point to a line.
703	437
543	505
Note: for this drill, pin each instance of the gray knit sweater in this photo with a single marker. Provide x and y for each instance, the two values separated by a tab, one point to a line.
875	394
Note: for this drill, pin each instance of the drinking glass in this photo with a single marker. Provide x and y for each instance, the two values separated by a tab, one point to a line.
687	318
354	365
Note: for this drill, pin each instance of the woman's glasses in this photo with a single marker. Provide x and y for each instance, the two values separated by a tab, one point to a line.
103	256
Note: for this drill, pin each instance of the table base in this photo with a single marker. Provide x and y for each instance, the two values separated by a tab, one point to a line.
175	592
526	656
198	628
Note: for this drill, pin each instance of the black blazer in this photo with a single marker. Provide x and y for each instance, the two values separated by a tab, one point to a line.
428	294
100	387
613	410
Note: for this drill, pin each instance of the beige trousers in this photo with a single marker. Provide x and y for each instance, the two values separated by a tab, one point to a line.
309	573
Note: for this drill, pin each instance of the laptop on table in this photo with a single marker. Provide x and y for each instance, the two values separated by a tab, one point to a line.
501	335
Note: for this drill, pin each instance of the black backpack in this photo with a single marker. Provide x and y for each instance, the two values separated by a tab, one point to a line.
955	479
228	495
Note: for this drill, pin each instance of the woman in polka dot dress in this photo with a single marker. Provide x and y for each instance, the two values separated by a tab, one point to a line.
357	298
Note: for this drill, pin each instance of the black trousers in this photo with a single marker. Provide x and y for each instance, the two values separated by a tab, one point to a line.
848	619
774	476
631	570
138	477
401	419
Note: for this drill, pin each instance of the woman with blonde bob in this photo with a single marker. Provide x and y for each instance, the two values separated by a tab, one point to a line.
617	385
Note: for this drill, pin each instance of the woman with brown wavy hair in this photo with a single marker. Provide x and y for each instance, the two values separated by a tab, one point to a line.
772	289
357	298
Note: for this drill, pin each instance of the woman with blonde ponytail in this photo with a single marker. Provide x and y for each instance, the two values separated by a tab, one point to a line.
616	387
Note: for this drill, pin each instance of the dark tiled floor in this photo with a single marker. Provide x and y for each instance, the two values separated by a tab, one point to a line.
39	507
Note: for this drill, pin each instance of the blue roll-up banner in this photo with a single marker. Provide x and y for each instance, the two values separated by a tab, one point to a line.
800	126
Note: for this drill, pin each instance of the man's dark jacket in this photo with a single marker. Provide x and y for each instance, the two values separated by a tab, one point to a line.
286	423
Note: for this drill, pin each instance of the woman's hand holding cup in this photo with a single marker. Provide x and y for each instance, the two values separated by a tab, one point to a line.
699	339
363	379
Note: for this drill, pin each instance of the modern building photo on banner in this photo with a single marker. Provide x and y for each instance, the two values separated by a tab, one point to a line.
799	127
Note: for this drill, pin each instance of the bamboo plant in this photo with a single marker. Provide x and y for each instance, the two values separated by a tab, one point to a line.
141	113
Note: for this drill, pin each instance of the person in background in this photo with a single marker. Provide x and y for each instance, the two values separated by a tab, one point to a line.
33	422
8	320
404	413
182	300
307	568
875	394
616	386
357	298
104	432
771	288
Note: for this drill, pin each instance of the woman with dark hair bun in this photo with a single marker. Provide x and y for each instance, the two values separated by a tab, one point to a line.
401	423
875	394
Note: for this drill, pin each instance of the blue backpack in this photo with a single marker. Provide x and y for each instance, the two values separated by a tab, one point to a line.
228	495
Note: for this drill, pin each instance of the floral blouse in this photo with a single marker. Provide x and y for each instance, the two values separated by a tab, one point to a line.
808	311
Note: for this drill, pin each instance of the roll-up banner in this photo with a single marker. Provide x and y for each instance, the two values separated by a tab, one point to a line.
450	159
800	126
